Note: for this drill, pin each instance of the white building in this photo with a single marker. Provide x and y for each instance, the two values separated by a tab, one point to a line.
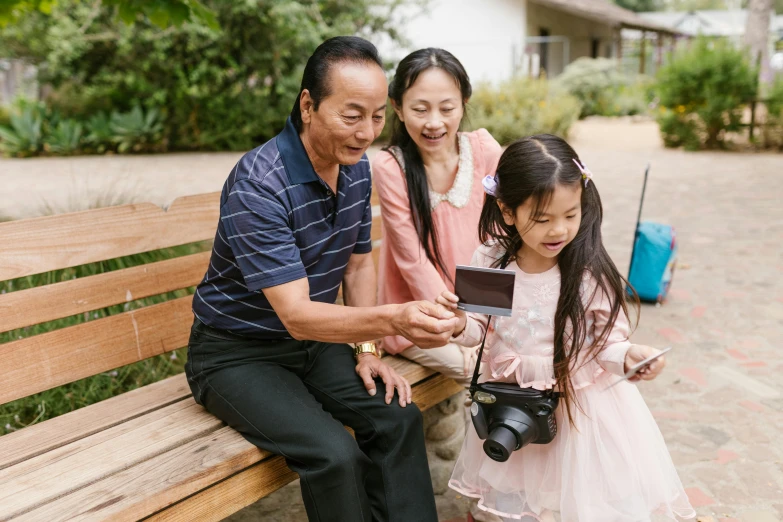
496	39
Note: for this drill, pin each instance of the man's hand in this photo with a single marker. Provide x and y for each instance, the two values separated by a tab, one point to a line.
425	324
636	354
369	366
449	301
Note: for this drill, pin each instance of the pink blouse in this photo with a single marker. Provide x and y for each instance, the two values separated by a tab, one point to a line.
404	273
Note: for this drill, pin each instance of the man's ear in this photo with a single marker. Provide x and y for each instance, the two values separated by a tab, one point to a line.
508	214
306	106
397	110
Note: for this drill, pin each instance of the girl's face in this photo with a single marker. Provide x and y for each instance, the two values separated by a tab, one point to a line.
432	110
545	235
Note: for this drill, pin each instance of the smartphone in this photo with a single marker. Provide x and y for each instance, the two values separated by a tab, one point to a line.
638	367
485	290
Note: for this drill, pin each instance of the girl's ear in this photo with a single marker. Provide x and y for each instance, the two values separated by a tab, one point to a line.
508	214
397	110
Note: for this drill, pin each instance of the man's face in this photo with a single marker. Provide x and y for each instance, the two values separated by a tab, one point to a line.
350	118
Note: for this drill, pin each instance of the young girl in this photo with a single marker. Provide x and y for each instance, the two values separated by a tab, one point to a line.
568	332
429	186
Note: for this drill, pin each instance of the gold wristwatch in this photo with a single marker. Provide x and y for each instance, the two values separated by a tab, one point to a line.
366	347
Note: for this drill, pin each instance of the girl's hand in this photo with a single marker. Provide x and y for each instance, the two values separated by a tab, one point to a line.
449	301
636	354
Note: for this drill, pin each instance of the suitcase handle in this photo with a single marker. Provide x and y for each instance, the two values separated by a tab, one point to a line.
638	218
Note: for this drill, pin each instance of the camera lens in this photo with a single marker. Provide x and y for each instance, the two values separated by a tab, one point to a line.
500	443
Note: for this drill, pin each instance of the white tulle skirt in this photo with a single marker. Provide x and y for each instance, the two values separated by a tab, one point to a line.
612	466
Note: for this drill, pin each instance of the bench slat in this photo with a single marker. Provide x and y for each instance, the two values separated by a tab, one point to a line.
40	480
229	496
47	360
165	479
254	483
46	303
148	487
412	371
49	435
33	246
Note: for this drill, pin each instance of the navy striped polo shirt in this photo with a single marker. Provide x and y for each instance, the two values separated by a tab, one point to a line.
279	222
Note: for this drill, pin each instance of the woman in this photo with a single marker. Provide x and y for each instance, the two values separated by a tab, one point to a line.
429	184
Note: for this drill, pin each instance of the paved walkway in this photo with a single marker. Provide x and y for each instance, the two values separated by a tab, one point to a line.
720	401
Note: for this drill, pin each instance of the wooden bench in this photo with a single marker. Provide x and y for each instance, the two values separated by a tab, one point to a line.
151	453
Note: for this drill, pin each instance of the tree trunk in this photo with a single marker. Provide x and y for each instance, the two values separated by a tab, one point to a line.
757	38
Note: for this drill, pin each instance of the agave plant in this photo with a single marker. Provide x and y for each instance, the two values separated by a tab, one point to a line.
22	136
136	131
65	138
99	132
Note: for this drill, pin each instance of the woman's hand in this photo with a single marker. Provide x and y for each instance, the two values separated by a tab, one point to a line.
636	354
449	301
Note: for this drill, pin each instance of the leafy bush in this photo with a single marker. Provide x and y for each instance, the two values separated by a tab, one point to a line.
23	136
37	129
136	131
702	92
65	138
603	89
226	89
521	107
99	133
773	130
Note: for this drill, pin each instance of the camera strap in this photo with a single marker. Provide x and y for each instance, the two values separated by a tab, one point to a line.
474	382
505	260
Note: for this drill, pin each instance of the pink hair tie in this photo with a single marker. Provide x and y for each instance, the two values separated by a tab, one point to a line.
490	183
586	174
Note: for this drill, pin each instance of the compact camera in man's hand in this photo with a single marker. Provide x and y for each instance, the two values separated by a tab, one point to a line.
508	417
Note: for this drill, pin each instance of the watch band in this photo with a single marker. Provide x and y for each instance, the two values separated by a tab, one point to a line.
367	347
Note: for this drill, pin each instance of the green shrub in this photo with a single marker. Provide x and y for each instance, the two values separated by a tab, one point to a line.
522	107
63	399
603	89
23	135
229	89
65	138
99	136
137	131
773	130
702	92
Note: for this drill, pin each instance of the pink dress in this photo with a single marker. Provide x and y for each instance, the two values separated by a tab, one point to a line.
404	272
613	466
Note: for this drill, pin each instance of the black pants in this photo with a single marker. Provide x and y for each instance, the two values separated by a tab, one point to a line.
292	398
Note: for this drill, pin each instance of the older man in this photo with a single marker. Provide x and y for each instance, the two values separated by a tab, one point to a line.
267	351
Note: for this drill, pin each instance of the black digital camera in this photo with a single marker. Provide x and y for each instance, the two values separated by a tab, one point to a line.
507	417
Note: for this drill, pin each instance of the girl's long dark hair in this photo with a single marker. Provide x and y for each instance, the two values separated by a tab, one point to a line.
418	189
532	168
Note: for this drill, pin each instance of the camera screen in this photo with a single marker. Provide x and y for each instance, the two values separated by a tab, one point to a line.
485	290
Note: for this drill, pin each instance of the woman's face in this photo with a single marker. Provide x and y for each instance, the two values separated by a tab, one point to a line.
432	110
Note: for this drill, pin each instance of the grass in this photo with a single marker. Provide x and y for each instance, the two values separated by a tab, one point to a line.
57	401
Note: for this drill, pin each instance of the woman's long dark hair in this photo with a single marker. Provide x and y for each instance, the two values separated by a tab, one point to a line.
418	189
532	168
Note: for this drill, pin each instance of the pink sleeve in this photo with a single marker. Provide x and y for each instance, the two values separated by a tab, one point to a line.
612	356
490	151
421	276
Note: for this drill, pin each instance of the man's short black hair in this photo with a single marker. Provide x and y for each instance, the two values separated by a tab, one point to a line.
316	74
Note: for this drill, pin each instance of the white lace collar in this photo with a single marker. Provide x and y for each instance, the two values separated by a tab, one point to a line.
459	193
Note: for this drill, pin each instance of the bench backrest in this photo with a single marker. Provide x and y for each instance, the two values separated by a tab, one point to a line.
35	363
